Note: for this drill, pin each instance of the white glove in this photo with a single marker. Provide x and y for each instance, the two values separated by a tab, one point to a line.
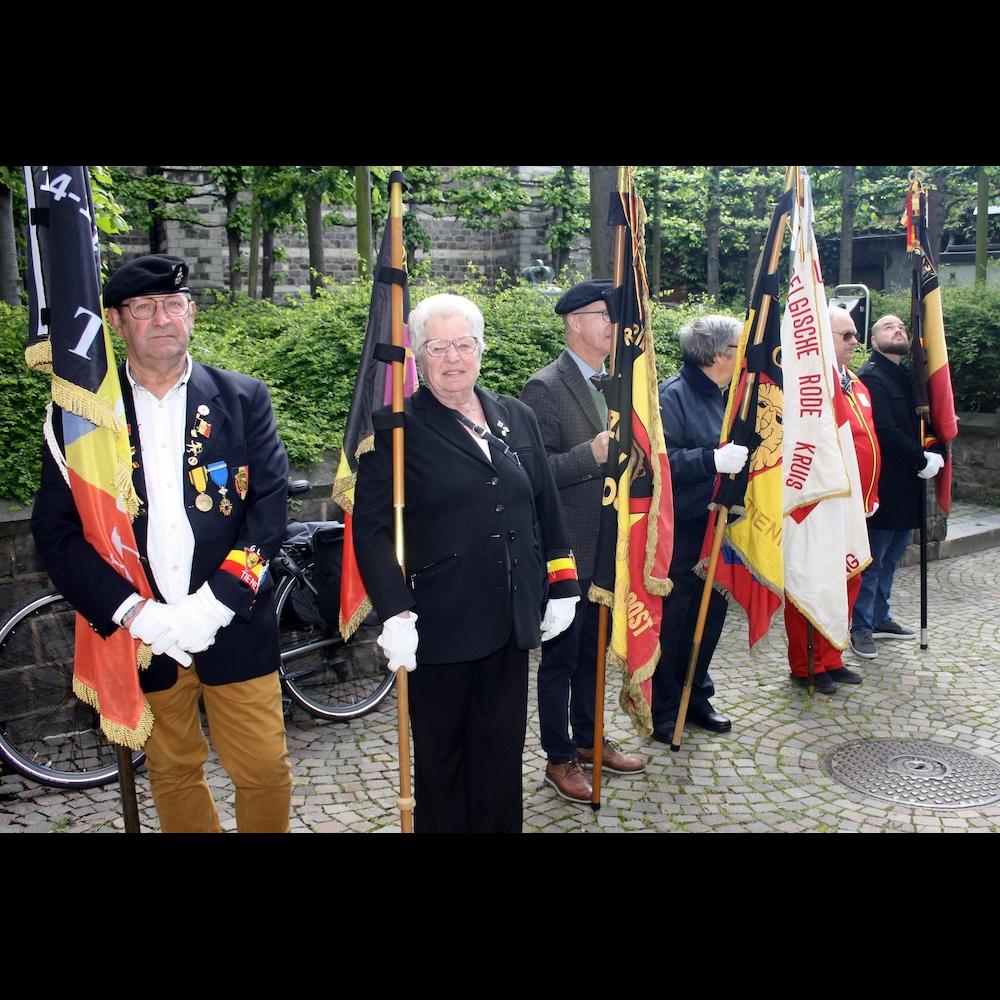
399	642
156	625
730	458
871	513
559	615
935	463
199	616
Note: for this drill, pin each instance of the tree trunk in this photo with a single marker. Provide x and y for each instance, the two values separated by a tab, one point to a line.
267	264
157	229
314	232
982	221
656	252
756	238
849	208
712	222
10	289
233	241
254	249
363	204
603	182
937	211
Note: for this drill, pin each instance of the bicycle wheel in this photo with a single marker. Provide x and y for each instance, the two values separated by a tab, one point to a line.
328	678
46	733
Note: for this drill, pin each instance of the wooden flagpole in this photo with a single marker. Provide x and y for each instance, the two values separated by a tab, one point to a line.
723	513
405	802
602	616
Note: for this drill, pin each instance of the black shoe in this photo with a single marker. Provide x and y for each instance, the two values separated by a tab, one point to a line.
708	718
892	630
822	682
844	676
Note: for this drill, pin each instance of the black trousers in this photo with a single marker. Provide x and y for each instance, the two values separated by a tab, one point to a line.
469	721
680	613
567	679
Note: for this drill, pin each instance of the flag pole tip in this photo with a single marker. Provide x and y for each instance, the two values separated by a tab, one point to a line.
595	806
674	747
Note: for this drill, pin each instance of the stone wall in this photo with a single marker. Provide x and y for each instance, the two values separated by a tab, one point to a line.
454	246
976	455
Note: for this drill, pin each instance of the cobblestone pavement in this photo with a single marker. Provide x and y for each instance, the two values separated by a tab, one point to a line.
763	776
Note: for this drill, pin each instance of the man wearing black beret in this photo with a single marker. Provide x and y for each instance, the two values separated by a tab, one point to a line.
572	416
211	473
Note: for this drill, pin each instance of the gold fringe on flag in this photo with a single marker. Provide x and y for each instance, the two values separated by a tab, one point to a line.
363	610
134	739
38	356
84	404
124	488
144	656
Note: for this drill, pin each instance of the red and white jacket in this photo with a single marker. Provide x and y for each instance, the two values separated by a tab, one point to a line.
859	409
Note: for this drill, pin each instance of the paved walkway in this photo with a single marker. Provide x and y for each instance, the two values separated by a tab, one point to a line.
763	776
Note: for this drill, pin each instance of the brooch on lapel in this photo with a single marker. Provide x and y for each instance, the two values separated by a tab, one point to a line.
201	426
503	428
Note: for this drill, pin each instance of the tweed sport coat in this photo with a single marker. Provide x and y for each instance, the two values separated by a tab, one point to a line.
568	421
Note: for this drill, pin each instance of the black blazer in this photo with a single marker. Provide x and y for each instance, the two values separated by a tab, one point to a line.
478	533
243	433
898	431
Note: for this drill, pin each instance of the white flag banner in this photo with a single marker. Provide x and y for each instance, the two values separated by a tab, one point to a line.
824	538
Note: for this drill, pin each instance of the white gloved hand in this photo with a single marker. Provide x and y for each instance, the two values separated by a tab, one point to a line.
399	642
935	463
156	625
871	513
730	458
559	615
200	615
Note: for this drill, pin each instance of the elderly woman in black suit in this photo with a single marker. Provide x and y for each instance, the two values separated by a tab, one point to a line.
486	553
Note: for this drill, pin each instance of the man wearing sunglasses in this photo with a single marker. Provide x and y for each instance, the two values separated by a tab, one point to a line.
211	475
828	664
572	416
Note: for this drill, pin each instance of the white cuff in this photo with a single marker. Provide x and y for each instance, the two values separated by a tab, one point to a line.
125	607
213	606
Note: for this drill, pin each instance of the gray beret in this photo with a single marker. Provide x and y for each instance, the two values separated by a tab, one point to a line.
154	274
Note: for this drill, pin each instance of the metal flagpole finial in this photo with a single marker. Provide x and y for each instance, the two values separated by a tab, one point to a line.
916	174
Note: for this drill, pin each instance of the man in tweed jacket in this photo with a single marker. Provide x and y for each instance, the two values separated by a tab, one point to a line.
572	417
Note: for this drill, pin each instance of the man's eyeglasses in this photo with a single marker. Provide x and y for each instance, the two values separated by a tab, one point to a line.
174	306
465	346
849	336
603	313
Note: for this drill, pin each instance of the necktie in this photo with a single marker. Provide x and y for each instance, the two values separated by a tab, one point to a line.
593	384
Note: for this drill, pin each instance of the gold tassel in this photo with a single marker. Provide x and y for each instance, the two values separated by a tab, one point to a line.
143	656
134	739
124	489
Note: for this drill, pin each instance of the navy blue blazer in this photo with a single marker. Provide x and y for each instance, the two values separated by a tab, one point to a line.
243	433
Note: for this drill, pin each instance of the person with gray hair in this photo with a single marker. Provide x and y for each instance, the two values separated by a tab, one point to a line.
692	404
486	550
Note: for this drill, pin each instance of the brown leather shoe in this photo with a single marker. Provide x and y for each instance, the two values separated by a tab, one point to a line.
612	759
569	781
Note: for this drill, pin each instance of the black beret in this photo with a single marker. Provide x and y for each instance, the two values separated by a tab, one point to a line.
154	274
582	295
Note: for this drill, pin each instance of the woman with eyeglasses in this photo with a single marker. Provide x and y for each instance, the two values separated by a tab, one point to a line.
489	572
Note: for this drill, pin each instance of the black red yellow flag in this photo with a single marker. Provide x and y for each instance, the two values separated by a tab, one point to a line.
929	351
372	391
68	337
635	539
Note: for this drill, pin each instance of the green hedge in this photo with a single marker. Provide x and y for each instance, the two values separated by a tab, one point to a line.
307	351
972	328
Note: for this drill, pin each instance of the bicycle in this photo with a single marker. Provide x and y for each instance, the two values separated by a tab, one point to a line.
49	736
323	675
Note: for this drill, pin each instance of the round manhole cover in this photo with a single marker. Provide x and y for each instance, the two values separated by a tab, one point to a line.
916	774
